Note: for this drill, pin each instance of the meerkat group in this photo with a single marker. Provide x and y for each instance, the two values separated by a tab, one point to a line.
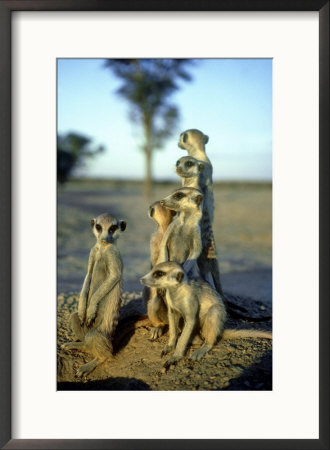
186	272
182	289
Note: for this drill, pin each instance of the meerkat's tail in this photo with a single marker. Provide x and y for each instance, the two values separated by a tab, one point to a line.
212	262
246	334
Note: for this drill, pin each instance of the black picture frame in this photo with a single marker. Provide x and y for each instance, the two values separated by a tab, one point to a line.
6	8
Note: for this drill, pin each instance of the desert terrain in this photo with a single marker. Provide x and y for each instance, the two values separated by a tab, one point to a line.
243	233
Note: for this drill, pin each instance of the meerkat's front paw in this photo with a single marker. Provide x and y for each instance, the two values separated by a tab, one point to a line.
83	371
66	346
171	361
81	316
86	369
198	354
167	349
155	333
90	316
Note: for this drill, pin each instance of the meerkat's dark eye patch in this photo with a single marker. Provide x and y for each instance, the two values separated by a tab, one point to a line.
179	195
158	274
123	225
113	228
179	276
177	163
98	227
189	164
198	199
151	212
184	137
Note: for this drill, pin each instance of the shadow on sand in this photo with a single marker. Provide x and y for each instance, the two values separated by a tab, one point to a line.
258	377
110	384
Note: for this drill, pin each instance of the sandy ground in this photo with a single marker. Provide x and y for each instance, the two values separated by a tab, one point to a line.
242	228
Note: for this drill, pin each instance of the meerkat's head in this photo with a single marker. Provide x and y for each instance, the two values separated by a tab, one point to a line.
193	139
165	275
161	215
188	167
107	228
184	199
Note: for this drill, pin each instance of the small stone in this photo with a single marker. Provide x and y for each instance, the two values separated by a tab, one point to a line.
262	307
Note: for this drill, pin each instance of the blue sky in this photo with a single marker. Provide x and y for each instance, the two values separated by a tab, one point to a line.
230	100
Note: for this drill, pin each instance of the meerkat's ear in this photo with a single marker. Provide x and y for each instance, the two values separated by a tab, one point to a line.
122	225
198	199
179	276
206	139
200	167
173	212
93	221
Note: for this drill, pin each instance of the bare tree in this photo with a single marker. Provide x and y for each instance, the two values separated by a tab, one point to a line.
147	85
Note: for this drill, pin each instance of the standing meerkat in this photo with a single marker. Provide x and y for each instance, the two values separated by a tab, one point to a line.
163	217
191	170
201	308
182	240
194	142
99	303
154	298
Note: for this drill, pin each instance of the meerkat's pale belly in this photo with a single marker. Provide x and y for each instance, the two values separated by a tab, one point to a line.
100	274
179	248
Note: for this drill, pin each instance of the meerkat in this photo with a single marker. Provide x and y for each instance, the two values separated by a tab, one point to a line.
154	298
191	170
194	142
201	308
182	240
100	299
163	217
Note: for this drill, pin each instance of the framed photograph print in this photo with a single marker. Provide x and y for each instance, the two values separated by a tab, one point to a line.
88	90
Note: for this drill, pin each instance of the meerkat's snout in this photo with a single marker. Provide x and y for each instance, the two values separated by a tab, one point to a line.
178	168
